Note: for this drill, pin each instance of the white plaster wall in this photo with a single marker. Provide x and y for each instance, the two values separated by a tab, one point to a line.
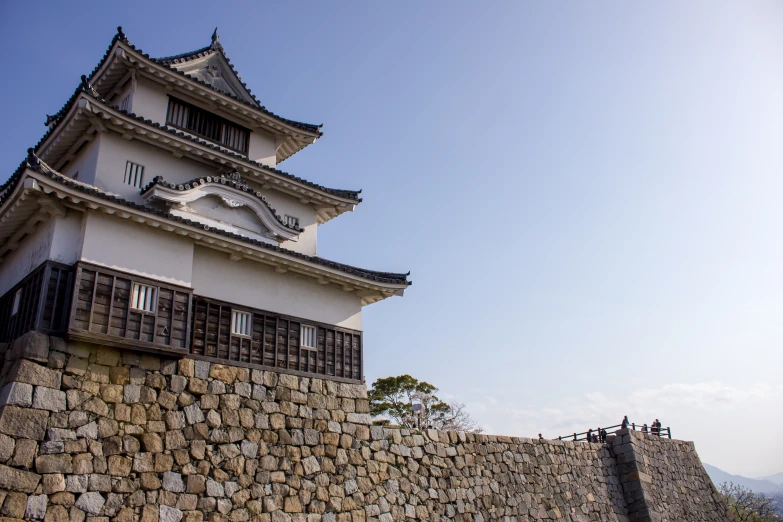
258	286
150	100
67	240
58	239
137	248
85	163
115	152
33	250
262	148
284	204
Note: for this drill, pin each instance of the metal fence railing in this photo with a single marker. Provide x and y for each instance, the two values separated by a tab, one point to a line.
610	430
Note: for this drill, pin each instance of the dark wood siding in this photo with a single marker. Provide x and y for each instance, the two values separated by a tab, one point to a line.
274	342
200	122
43	304
102	311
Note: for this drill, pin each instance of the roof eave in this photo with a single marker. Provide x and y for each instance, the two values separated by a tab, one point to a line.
180	140
368	290
146	64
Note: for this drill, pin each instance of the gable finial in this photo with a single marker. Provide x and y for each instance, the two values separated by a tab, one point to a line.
120	34
32	159
216	40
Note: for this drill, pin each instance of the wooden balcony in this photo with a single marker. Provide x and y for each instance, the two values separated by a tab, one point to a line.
39	302
102	311
274	342
95	304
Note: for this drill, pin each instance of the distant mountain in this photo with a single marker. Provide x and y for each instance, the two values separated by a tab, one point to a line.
764	485
777	478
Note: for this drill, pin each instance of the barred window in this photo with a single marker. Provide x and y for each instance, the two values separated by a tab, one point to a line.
207	125
240	323
143	297
308	336
134	174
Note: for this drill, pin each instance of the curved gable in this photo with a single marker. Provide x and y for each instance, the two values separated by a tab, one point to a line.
223	199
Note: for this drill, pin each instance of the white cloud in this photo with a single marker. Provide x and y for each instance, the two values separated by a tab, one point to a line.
682	401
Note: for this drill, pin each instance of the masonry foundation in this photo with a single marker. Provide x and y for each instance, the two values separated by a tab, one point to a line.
97	434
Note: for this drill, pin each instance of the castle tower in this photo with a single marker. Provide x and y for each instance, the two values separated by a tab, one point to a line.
152	214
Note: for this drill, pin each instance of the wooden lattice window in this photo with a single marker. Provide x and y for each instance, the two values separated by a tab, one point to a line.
207	125
240	323
308	336
143	297
134	174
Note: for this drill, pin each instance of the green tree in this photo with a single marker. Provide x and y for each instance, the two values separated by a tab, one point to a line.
395	397
746	505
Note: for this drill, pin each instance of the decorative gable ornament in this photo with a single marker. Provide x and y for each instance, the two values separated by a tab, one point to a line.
233	203
233	193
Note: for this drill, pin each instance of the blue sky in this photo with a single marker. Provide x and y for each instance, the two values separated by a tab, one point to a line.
587	195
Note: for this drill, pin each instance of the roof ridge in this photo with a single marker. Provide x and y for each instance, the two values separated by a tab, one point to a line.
86	88
309	127
34	163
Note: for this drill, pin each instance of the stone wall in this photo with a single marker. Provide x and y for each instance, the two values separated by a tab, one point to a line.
89	433
664	480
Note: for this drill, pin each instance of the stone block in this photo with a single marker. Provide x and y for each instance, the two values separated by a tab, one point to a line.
7	445
132	393
150	362
14	506
16	394
107	356
49	399
112	393
223	373
196	484
25	452
186	367
107	428
173	482
36	507
194	414
76	483
13	479
170	514
178	383
99	482
32	345
119	375
202	369
23	422
88	431
54	464
53	483
76	365
151	442
31	373
91	502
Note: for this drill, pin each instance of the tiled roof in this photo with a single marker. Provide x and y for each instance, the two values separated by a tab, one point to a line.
87	89
167	62
34	163
170	60
218	180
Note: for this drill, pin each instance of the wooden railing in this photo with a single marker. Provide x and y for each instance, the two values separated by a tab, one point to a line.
610	430
41	301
